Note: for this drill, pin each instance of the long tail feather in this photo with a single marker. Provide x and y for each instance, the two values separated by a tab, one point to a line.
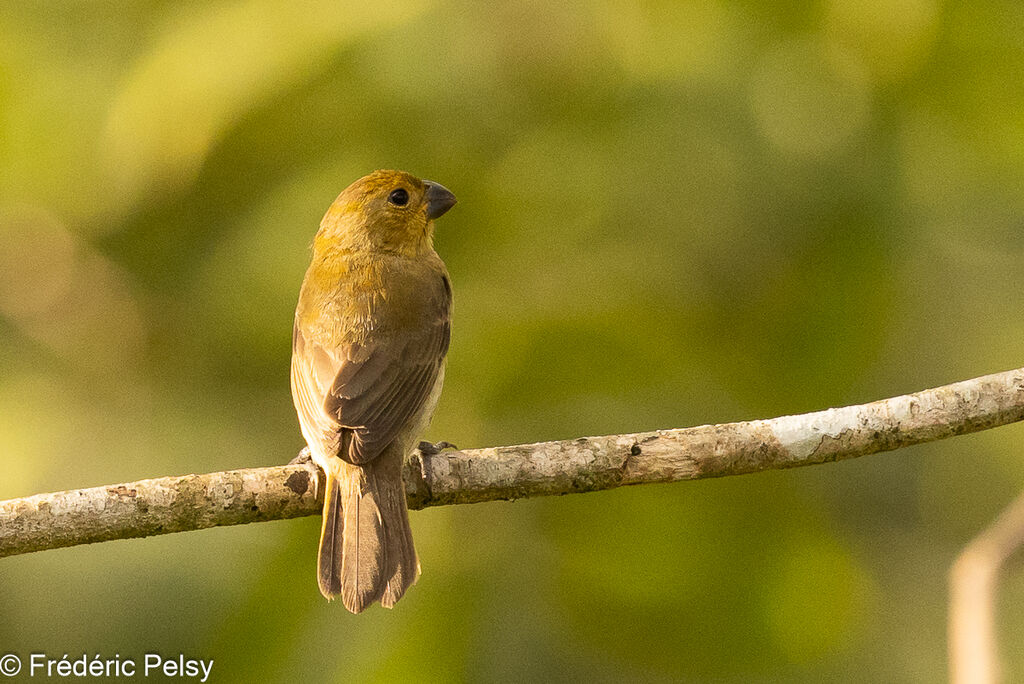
328	569
404	566
364	555
366	547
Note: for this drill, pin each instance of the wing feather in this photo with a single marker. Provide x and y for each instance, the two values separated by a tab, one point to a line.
372	390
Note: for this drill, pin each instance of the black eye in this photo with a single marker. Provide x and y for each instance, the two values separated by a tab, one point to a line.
399	197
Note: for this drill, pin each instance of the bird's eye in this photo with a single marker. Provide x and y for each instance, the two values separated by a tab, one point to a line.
399	197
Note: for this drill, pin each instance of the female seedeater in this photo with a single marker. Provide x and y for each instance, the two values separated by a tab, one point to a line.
368	356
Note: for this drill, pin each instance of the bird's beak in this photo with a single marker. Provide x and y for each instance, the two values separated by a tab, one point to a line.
439	199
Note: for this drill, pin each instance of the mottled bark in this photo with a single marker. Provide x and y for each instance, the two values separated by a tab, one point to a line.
176	504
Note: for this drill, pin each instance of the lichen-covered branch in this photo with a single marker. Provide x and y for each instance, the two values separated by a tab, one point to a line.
191	502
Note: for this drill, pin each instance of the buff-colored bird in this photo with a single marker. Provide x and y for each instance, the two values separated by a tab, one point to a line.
368	355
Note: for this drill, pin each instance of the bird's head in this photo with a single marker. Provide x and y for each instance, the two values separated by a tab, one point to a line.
387	211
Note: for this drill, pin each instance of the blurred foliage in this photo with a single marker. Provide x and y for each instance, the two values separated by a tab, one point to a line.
671	213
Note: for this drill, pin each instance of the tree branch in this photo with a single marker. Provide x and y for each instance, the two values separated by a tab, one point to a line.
973	583
191	502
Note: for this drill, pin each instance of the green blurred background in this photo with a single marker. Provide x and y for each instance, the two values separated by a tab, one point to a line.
670	214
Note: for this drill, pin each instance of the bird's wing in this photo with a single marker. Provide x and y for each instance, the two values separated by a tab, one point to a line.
371	390
313	370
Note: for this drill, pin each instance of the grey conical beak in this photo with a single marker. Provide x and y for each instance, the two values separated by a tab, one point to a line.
439	199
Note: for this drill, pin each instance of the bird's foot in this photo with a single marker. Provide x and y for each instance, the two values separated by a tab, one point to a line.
428	449
305	458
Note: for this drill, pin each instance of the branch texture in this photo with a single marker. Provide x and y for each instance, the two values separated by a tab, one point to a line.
191	502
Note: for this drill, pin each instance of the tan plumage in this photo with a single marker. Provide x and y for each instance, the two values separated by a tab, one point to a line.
368	354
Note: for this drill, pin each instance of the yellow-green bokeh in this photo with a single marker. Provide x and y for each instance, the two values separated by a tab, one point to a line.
671	213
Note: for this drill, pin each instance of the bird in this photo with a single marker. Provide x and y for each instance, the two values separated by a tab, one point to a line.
369	347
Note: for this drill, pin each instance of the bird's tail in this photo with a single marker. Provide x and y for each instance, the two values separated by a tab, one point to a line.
366	550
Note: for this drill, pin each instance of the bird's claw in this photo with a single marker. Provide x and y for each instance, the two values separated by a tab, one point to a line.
304	457
428	449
